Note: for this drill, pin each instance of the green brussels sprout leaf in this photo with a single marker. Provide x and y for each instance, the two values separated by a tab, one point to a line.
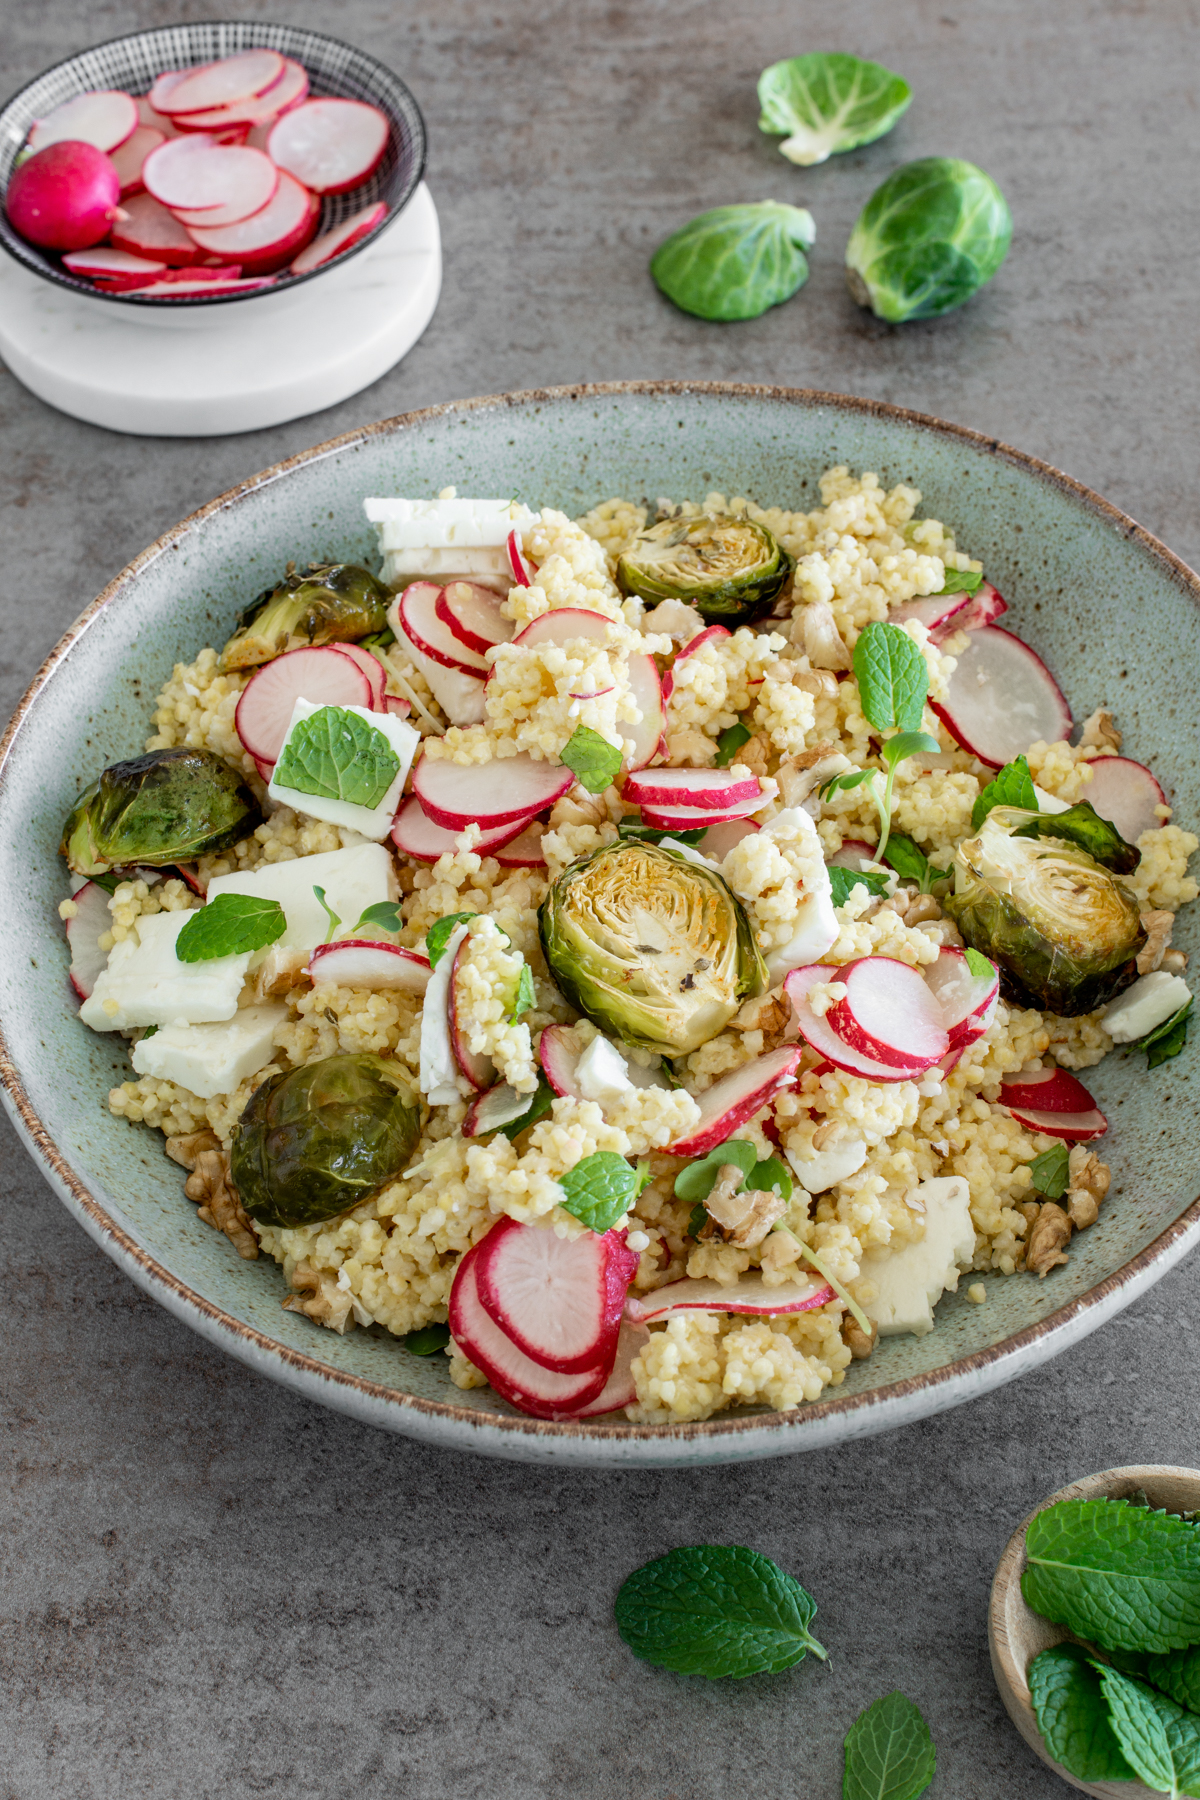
962	581
428	1340
1012	786
168	806
334	603
927	239
652	834
828	103
730	742
601	1188
230	925
336	755
595	762
729	569
1048	1172
440	933
1081	824
843	881
736	261
893	680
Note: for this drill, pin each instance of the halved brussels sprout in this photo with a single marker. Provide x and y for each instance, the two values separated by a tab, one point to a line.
339	603
928	237
730	570
314	1142
649	946
165	807
1064	932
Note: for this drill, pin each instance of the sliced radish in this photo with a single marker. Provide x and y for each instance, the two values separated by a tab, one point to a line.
852	855
343	237
889	1014
461	697
189	174
261	112
697	818
746	1295
559	1299
620	1389
522	573
396	703
524	851
932	610
983	607
479	1070
1126	794
1002	698
712	634
564	625
194	287
266	770
104	119
249	198
371	667
271	238
163	87
65	197
714	790
363	963
430	634
91	920
736	1098
647	735
512	790
719	840
967	1001
147	116
330	145
128	159
819	1033
1046	1090
500	1105
559	1050
524	1383
472	616
242	76
103	261
416	834
148	229
1074	1127
224	274
321	675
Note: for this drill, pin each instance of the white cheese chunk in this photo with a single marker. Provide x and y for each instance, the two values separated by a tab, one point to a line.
146	984
816	923
441	524
489	566
212	1059
438	1078
353	879
373	821
602	1073
825	1168
1149	1002
912	1281
1049	803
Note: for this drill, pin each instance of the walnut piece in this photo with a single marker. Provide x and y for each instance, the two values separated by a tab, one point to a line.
1048	1240
1175	961
798	776
857	1341
744	1217
279	972
770	1013
320	1299
778	1251
690	749
676	619
1088	1181
822	684
579	808
815	630
210	1184
1157	927
754	754
187	1148
1099	733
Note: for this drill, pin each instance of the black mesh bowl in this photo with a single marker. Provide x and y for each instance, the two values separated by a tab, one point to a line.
335	70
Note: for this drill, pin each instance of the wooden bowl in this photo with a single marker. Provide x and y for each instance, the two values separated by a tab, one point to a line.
1016	1634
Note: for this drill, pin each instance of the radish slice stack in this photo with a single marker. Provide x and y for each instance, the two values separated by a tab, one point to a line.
1054	1102
1002	698
893	1024
967	1001
91	919
363	963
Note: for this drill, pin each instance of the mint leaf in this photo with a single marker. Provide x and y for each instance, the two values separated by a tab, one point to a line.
440	933
842	880
889	1752
910	862
595	762
599	1189
1159	1740
892	678
230	925
385	915
1048	1172
537	1109
962	581
651	834
1081	824
696	1180
428	1340
715	1610
335	755
908	743
730	742
525	995
1167	1039
334	921
1123	1576
1072	1715
1011	786
980	965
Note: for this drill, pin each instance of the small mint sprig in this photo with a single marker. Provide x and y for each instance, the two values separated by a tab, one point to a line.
893	751
601	1188
594	762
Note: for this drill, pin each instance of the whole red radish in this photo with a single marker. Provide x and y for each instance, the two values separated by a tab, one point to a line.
65	197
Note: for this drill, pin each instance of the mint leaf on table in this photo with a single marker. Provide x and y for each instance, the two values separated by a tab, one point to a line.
1167	1039
1072	1715
1048	1172
440	933
335	755
1159	1740
600	1188
428	1340
230	925
841	881
1010	786
893	680
653	834
962	581
526	996
537	1109
889	1752
385	915
730	742
716	1610
593	760
1124	1576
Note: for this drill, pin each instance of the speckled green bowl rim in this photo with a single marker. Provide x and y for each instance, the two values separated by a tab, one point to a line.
728	1436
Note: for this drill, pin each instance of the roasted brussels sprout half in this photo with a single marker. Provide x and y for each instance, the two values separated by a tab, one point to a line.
730	570
316	1141
165	807
1064	932
927	239
339	603
649	946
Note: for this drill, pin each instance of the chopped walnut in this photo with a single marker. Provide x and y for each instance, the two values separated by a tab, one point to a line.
1175	961
187	1148
744	1217
320	1299
1088	1181
1157	927
830	1133
1048	1240
579	808
770	1013
800	775
815	630
209	1183
856	1340
690	749
279	972
778	1251
1099	733
822	684
754	754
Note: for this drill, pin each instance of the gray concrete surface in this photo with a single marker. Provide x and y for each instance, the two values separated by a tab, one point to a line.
211	1588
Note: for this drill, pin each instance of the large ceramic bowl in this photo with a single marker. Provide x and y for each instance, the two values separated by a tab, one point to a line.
1111	610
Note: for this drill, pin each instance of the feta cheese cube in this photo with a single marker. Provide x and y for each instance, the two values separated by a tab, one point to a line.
1149	1002
912	1281
602	1072
441	540
824	1168
373	821
353	879
146	984
212	1059
816	922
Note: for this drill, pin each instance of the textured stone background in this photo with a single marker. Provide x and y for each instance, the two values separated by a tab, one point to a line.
212	1588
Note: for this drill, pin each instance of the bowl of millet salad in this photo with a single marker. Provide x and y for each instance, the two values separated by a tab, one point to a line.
644	923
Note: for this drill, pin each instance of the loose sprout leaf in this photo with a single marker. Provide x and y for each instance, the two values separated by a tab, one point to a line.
385	914
893	680
149	1032
230	925
1167	1039
1081	824
538	1107
650	834
730	742
1012	786
716	1610
334	920
771	1173
526	995
599	1189
335	755
927	239
908	743
696	1219
1048	1172
1159	1740
841	881
594	761
981	966
962	581
379	640
889	1752
736	261
827	103
1122	1576
427	1340
1072	1715
696	1180
845	782
440	933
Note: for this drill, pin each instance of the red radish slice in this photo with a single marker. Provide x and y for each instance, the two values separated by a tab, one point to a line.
647	735
363	963
746	1295
1046	1090
330	145
524	851
853	853
265	769
204	290
720	839
343	237
461	697
711	635
712	789
148	229
932	610
64	198
620	1389
559	1299
103	261
499	1106
479	1069
430	634
91	920
522	573
983	607
272	237
1002	698
889	1014
104	120
416	835
164	86
128	160
321	675
819	1033
261	112
559	1050
194	174
224	275
693	818
239	77
512	790
1126	794
967	1001
147	116
472	616
1074	1127
371	667
729	1102
516	1377
249	201
396	703
564	625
